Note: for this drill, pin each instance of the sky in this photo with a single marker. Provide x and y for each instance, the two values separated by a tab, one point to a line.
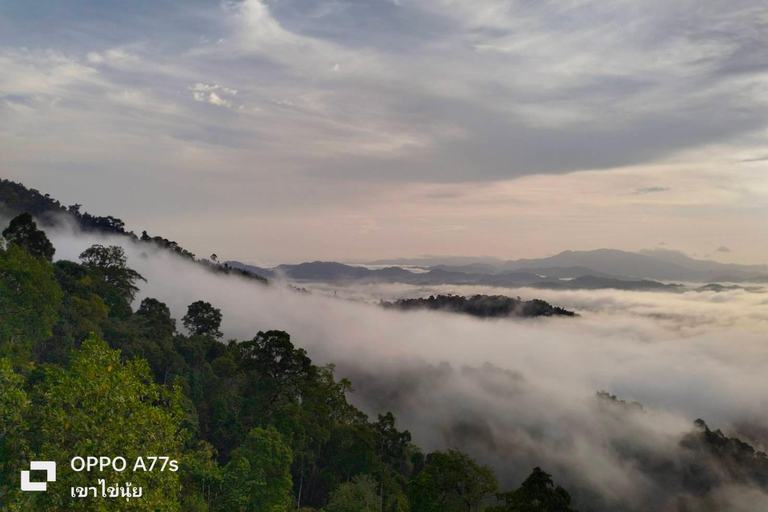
273	131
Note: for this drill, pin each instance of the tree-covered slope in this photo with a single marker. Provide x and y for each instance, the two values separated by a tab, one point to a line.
483	306
16	199
255	424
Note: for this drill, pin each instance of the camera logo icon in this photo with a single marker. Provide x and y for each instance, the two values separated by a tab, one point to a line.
48	466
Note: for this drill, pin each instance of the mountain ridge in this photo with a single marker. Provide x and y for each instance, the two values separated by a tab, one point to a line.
655	264
342	274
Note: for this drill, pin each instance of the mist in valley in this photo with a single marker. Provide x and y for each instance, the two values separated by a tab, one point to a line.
521	393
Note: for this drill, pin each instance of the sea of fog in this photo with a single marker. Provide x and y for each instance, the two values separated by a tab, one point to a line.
517	393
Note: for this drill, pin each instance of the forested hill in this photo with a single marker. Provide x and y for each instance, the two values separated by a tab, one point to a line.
483	306
255	424
16	199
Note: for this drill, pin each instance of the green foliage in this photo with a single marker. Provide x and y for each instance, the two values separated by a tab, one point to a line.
392	448
14	405
483	306
154	329
392	443
200	478
203	319
23	232
537	494
359	495
257	478
157	317
451	481
256	425
29	302
275	369
109	265
82	312
16	199
712	453
102	406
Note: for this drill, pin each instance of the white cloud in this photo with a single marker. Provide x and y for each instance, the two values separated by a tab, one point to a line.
215	99
36	72
208	93
203	87
94	58
443	92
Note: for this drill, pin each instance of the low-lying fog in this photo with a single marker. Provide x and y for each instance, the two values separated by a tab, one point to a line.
518	393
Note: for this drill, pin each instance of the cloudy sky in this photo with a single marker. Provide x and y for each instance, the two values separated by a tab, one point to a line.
290	130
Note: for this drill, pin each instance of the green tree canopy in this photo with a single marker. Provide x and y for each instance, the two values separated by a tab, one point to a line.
23	232
151	338
277	369
359	495
157	317
14	404
29	301
104	407
110	263
451	481
82	312
200	478
392	442
536	494
203	319
258	478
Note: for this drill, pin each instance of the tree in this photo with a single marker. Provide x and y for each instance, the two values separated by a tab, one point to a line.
82	312
102	406
392	446
157	317
23	232
258	478
392	443
14	404
29	301
155	338
277	370
200	478
110	263
359	495
536	494
451	482
203	319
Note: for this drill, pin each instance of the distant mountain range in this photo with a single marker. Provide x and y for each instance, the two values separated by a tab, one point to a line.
601	269
431	261
657	264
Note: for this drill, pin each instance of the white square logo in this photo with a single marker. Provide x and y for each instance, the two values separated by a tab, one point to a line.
43	465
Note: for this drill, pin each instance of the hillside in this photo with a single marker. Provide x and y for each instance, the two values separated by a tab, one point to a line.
611	261
657	264
15	199
713	269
